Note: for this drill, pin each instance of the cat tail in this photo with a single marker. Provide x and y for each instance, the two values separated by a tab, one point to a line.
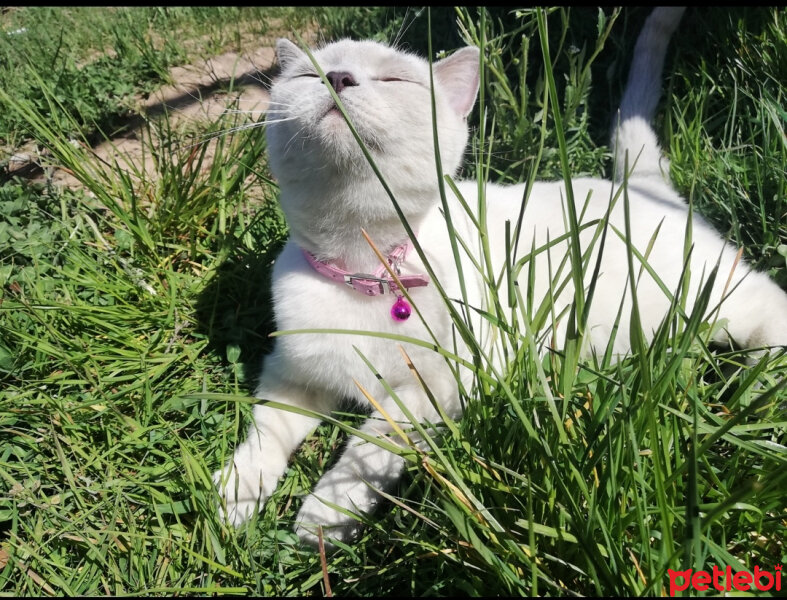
632	134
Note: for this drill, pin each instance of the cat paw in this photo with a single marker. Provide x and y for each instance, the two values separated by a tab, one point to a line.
335	524
240	495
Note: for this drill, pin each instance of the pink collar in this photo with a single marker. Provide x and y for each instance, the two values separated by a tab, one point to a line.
375	283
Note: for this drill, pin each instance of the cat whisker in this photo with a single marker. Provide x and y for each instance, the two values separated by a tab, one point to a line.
405	26
282	120
235	128
294	137
231	130
208	138
229	111
262	78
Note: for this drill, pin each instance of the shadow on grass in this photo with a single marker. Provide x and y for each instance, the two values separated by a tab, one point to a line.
124	124
235	309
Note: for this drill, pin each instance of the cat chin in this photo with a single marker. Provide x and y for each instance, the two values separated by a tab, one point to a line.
332	112
337	142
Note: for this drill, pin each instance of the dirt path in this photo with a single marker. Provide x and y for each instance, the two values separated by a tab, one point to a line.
199	92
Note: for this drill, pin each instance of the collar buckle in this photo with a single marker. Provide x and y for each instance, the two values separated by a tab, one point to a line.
384	285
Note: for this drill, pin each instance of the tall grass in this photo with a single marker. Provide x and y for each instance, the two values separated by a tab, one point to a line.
603	475
98	62
133	313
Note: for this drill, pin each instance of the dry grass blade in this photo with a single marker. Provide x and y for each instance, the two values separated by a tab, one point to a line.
324	563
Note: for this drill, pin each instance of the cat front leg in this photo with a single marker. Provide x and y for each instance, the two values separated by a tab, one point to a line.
351	484
756	314
252	474
363	469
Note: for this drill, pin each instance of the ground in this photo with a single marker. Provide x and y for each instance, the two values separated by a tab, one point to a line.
199	92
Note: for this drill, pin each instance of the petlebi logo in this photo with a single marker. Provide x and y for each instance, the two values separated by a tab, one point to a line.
725	580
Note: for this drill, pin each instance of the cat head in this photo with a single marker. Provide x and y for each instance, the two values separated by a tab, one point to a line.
387	96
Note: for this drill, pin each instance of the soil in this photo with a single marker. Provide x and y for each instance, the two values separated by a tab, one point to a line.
200	91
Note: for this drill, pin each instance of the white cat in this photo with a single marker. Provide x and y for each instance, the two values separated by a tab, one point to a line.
329	192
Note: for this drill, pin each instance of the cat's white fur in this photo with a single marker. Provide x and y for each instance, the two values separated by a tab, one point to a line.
329	192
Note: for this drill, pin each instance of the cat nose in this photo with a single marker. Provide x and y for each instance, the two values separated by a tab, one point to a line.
340	80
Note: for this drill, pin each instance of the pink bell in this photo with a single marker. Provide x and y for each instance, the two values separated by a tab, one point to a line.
401	309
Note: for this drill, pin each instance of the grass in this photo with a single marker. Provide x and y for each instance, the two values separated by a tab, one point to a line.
95	62
134	310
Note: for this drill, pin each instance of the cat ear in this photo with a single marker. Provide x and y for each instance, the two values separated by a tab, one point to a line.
458	76
287	52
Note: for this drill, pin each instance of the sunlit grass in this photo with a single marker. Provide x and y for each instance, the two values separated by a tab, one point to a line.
134	310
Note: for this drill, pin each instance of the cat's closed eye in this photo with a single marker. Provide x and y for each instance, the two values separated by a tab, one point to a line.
397	80
304	74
